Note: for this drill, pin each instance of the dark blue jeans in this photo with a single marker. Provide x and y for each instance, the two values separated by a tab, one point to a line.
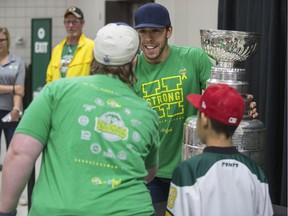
159	189
8	132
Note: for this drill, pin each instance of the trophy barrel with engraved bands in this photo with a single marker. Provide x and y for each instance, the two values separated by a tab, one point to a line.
228	49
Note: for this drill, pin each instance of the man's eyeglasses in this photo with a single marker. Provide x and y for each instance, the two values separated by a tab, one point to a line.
73	22
2	40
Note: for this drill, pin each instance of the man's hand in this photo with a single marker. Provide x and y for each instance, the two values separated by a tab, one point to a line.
253	111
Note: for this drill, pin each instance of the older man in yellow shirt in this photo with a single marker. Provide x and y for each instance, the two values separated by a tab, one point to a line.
72	56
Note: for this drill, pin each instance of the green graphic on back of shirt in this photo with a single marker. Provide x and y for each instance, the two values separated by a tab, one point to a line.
165	96
67	55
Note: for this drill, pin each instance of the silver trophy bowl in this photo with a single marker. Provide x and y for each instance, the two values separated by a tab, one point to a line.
228	47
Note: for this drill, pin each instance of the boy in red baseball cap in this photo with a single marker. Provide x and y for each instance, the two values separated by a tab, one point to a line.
220	181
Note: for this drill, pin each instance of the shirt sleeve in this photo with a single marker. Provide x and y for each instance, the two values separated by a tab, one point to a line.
265	207
204	65
183	200
20	77
36	120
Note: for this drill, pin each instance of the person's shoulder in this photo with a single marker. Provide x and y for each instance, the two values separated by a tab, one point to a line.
189	170
87	40
187	52
59	46
61	43
16	58
66	84
72	80
142	103
191	49
254	168
148	107
190	163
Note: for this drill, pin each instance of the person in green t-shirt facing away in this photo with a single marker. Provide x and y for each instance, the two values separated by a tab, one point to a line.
99	140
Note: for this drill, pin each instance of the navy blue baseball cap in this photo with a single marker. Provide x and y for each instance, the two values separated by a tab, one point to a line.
152	15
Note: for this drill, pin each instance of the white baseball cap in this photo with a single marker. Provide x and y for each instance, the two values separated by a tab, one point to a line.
116	44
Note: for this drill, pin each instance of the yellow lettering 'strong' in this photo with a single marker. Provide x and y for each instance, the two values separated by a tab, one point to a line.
165	96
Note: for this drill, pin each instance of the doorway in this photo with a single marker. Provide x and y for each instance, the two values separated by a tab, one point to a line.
122	10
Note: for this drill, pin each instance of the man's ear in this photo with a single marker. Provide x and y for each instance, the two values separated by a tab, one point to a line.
169	32
204	119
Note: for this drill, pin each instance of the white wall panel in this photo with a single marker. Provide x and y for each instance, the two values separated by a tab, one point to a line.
187	17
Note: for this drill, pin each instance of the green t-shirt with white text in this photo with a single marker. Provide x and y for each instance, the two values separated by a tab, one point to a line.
99	137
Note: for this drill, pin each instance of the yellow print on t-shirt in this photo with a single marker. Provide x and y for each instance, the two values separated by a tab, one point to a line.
111	126
165	96
172	197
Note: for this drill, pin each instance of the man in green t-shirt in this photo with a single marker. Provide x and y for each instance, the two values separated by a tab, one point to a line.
99	140
166	74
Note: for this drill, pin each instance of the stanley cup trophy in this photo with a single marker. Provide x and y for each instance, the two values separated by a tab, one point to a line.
228	49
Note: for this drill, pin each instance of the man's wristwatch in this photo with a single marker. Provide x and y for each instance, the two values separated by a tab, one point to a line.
20	113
